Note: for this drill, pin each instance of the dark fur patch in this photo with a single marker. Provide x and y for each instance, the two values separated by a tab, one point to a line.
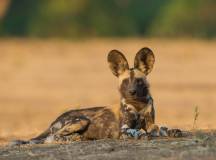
140	89
144	60
128	117
117	62
132	74
124	87
103	125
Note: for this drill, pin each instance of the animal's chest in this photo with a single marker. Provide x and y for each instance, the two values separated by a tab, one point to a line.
134	116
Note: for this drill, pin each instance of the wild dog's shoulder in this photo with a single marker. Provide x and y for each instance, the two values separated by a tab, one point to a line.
115	109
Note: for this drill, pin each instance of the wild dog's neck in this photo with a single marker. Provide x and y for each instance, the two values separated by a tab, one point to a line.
138	105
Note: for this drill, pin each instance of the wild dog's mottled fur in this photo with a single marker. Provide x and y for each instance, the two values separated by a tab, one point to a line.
89	123
136	109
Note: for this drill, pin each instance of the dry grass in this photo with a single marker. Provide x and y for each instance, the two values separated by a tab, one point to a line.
42	78
196	115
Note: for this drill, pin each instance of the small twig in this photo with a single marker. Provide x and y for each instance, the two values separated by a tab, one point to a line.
196	115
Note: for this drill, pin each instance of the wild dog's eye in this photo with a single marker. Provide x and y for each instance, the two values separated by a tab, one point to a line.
125	81
139	81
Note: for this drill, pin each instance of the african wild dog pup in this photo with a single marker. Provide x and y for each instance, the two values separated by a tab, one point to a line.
135	112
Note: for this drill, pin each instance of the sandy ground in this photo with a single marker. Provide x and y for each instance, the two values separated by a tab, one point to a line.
200	146
39	79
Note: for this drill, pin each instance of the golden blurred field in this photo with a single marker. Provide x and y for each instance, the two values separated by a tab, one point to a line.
39	79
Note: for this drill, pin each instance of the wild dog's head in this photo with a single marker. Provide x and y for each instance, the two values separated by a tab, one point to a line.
133	85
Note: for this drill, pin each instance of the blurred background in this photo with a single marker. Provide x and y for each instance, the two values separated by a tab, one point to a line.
53	58
119	18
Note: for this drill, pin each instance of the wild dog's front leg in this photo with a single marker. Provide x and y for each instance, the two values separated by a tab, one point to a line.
147	120
150	127
128	122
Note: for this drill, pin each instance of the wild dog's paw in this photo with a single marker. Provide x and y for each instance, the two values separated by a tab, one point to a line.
124	128
134	133
130	133
163	131
153	131
175	133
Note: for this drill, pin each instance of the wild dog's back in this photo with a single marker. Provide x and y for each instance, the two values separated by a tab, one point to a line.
89	123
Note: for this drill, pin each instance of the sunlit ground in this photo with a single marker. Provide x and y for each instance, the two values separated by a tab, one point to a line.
39	79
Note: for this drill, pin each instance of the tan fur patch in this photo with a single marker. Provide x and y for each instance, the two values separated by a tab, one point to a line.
147	109
126	74
123	76
71	128
138	73
116	110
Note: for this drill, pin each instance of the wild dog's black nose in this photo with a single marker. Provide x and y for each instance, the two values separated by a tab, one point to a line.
132	92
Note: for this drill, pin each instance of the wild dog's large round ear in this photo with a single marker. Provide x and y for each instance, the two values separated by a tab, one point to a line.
144	60
117	62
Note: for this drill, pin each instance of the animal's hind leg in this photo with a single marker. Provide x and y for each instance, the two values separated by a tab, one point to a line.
70	130
76	125
65	139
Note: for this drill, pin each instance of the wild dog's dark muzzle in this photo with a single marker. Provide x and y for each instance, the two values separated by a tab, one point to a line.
138	91
142	91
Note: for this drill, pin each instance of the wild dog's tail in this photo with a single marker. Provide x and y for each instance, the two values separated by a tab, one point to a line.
37	140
